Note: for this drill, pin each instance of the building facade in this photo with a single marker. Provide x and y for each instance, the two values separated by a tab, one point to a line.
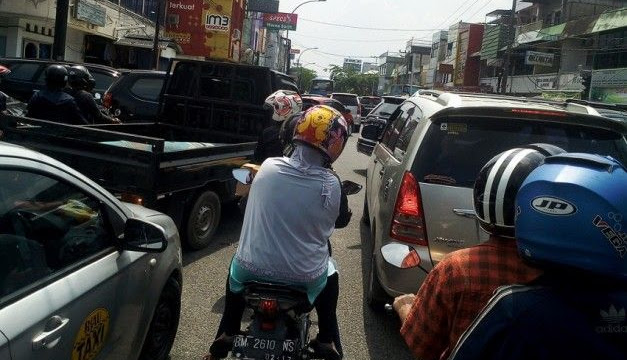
112	33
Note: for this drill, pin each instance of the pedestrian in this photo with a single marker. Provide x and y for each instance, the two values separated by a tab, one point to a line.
460	285
52	103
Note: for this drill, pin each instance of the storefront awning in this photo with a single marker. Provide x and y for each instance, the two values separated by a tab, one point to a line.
552	33
611	20
146	43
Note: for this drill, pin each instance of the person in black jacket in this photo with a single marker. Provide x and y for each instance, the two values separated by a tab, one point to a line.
81	83
284	104
52	103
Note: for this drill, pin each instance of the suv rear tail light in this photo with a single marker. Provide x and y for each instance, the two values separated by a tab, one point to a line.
539	112
408	223
107	100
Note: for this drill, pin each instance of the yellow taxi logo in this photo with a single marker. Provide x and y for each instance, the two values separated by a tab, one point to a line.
92	335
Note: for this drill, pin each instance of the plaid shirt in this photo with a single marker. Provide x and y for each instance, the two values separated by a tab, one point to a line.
455	292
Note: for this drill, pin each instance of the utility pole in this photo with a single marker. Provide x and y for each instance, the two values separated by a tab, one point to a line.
508	51
155	42
60	30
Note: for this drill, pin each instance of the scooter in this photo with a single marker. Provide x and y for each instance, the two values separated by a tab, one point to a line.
280	324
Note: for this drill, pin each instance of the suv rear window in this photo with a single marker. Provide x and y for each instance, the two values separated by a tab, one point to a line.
384	109
147	88
448	143
346	100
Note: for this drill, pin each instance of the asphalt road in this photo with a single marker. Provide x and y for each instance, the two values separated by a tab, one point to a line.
365	335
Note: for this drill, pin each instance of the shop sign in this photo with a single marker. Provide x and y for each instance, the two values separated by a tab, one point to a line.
264	6
539	58
294	51
280	21
217	22
546	82
91	13
610	77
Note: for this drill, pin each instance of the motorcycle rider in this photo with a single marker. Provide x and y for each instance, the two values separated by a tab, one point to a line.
571	222
458	287
3	97
52	103
284	105
81	83
294	205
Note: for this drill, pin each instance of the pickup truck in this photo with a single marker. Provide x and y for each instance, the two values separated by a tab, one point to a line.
210	116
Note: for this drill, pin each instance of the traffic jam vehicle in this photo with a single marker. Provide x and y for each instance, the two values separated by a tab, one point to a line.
97	278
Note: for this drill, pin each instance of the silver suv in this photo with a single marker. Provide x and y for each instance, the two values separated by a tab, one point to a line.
420	176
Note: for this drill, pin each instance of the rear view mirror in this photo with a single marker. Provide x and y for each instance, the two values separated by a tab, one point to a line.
243	175
144	236
371	131
350	187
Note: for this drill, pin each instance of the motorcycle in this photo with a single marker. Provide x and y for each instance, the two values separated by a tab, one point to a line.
280	324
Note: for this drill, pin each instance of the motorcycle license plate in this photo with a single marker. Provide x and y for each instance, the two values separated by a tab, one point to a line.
264	349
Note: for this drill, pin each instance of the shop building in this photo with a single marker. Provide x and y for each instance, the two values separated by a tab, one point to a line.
112	33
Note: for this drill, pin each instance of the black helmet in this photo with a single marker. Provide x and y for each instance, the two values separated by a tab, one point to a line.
56	76
498	183
79	76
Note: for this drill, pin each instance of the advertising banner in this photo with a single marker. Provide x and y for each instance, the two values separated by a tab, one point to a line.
280	21
201	27
539	58
92	13
265	6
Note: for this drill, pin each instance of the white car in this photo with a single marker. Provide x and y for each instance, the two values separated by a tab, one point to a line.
82	275
351	102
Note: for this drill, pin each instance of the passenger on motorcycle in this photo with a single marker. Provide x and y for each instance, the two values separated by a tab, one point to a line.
54	104
3	97
284	105
81	83
294	205
460	285
571	222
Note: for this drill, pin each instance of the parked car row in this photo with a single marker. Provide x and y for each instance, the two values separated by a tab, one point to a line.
421	172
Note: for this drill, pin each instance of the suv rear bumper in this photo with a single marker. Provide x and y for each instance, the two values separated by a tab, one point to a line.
365	146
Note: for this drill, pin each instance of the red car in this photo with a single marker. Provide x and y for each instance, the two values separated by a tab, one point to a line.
312	100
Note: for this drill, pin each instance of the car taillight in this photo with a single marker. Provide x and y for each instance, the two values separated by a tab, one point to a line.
408	223
107	100
269	309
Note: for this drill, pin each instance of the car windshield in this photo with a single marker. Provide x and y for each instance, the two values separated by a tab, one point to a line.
369	101
384	109
448	144
346	100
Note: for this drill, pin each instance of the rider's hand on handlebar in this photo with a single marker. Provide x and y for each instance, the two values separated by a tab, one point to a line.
402	304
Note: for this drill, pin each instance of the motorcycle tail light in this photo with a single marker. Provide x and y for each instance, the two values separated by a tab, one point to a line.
268	306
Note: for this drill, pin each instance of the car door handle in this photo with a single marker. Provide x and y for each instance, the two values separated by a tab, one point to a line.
465	213
51	333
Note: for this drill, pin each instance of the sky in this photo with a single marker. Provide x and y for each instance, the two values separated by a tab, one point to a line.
417	18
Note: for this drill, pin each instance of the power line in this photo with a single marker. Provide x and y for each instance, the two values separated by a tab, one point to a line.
365	28
353	40
481	8
453	13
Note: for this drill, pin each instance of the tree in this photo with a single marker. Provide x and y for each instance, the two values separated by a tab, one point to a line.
305	76
350	81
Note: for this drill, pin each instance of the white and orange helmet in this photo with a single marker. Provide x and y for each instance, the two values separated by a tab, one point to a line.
284	104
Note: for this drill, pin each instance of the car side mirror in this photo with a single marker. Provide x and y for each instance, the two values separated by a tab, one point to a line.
143	236
243	175
371	131
350	187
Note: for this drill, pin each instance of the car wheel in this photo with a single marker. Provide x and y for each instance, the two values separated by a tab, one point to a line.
365	217
375	295
164	323
203	220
